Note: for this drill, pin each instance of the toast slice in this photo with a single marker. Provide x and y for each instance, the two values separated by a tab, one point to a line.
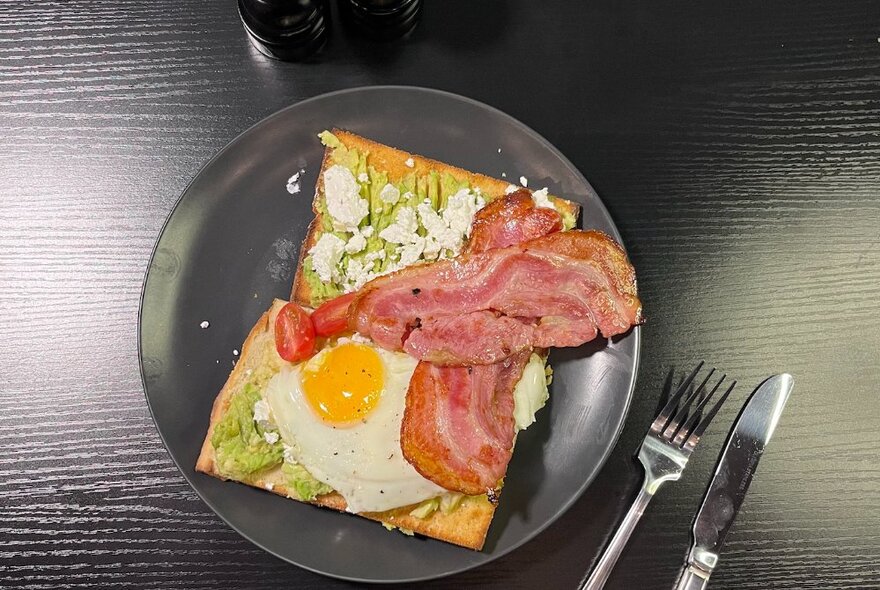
395	163
466	525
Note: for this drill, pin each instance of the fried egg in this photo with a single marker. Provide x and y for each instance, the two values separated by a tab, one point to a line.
340	413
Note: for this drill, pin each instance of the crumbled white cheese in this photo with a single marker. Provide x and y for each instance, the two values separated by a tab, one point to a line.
356	243
289	454
368	231
542	200
293	186
448	231
390	194
410	253
363	177
373	256
460	210
504	175
403	229
235	351
440	235
344	203
261	414
325	257
271	437
510	188
204	325
356	275
409	163
407	196
270	486
499	150
432	249
524	181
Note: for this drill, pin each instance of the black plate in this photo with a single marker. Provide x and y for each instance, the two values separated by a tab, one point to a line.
231	245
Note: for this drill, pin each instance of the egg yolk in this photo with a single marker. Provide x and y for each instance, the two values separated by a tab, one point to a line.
346	384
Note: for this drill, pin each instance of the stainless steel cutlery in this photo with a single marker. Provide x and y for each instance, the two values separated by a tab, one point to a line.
664	454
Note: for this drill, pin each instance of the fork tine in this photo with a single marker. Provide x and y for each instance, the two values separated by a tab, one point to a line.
676	423
664	415
694	436
685	429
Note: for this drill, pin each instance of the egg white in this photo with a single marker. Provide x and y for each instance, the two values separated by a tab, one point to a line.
362	461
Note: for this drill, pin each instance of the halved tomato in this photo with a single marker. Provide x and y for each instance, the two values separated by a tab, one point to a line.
294	333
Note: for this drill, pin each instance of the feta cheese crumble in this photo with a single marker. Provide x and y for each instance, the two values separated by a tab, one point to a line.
271	437
356	275
410	163
510	189
390	194
542	200
460	210
403	229
524	181
289	454
344	203
325	257
363	177
204	325
448	231
293	186
410	253
262	416
356	243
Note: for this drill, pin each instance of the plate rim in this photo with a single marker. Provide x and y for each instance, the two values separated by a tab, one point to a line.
635	333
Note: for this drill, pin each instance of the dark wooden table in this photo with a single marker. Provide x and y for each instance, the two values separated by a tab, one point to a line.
737	148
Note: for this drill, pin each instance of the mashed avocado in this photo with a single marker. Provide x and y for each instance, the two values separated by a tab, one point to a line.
241	451
568	219
301	483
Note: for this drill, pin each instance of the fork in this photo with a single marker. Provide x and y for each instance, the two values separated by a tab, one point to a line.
664	454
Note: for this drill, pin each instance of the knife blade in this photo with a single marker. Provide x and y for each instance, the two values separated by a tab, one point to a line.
733	474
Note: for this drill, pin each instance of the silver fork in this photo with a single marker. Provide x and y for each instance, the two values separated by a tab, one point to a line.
664	454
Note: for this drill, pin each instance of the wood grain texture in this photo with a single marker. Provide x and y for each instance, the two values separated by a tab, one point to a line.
738	148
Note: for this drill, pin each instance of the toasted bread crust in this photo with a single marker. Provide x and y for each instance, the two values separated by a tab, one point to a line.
466	525
393	161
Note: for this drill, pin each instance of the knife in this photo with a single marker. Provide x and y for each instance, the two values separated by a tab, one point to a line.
733	474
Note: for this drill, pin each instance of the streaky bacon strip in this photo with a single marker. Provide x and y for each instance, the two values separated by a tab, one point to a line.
512	219
570	285
458	425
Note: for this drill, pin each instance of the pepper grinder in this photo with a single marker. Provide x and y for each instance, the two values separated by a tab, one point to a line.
290	30
382	20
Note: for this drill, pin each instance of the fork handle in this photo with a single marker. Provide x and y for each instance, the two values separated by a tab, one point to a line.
614	549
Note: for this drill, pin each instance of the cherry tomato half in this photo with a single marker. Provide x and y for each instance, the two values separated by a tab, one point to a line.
294	333
331	317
